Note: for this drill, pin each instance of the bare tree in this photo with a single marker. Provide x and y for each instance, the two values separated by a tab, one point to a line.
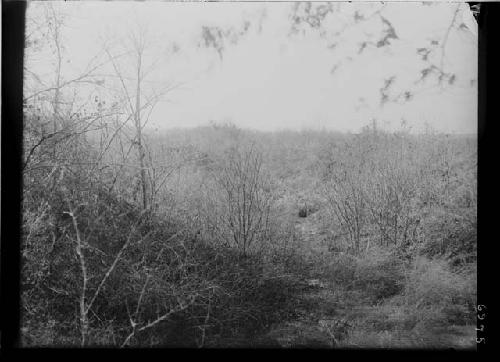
138	103
241	209
346	197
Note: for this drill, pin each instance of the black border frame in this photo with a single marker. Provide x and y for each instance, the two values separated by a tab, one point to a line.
13	24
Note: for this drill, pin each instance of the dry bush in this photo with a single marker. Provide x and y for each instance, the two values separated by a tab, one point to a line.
375	276
146	282
341	269
379	274
394	206
246	301
238	207
452	238
383	187
345	194
431	284
108	273
371	182
88	253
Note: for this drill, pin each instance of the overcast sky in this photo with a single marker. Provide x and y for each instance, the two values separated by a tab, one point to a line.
271	79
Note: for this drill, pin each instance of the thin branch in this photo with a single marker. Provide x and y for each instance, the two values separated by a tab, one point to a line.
117	259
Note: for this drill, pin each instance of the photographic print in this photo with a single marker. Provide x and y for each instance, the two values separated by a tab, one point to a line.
250	175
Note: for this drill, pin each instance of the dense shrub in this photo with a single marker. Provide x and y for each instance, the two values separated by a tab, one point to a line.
431	284
341	269
451	238
226	287
227	292
379	274
238	205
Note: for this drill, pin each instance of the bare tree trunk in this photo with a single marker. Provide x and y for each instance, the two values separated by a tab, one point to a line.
84	320
140	148
57	93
